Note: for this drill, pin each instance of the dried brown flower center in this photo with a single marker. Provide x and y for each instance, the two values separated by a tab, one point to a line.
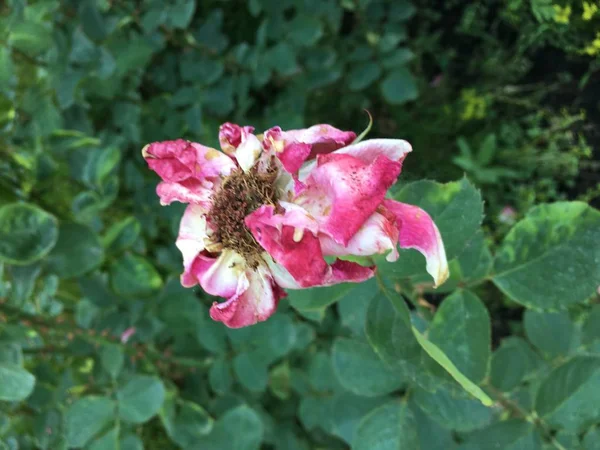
240	194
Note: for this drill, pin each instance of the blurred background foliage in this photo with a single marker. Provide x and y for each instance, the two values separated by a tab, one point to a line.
506	92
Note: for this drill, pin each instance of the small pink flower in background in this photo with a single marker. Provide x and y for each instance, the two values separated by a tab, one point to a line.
264	213
437	80
508	215
126	335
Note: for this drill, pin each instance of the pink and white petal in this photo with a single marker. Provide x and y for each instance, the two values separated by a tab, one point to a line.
178	160
368	151
187	191
417	230
231	135
353	189
377	235
221	277
348	272
294	216
293	147
293	156
298	250
280	274
323	138
255	300
193	235
248	152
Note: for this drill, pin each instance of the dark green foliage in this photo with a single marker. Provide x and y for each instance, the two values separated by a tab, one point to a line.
102	349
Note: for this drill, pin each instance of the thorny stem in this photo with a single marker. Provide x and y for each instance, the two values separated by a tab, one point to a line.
533	418
503	401
68	331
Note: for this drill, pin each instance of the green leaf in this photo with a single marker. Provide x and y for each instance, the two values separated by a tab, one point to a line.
23	279
282	59
461	328
315	299
557	242
389	427
248	434
189	425
219	376
543	10
251	371
87	417
77	251
108	441
512	434
591	327
92	21
552	333
133	275
16	383
453	410
181	13
569	396
30	37
363	75
122	235
399	87
398	57
447	364
131	442
27	233
389	332
513	362
305	30
140	399
347	411
591	441
361	371
431	434
112	358
456	208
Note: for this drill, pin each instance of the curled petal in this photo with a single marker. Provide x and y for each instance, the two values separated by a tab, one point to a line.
377	235
344	192
255	300
248	152
188	191
193	234
179	160
218	276
417	230
298	250
231	135
293	147
368	151
188	169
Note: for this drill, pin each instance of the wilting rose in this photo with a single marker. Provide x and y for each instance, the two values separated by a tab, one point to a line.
264	212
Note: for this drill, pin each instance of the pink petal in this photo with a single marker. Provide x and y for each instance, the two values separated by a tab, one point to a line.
231	135
344	192
417	230
377	235
293	245
188	169
293	147
255	300
368	151
188	191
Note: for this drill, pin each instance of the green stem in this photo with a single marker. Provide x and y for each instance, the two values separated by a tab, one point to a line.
67	330
516	409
